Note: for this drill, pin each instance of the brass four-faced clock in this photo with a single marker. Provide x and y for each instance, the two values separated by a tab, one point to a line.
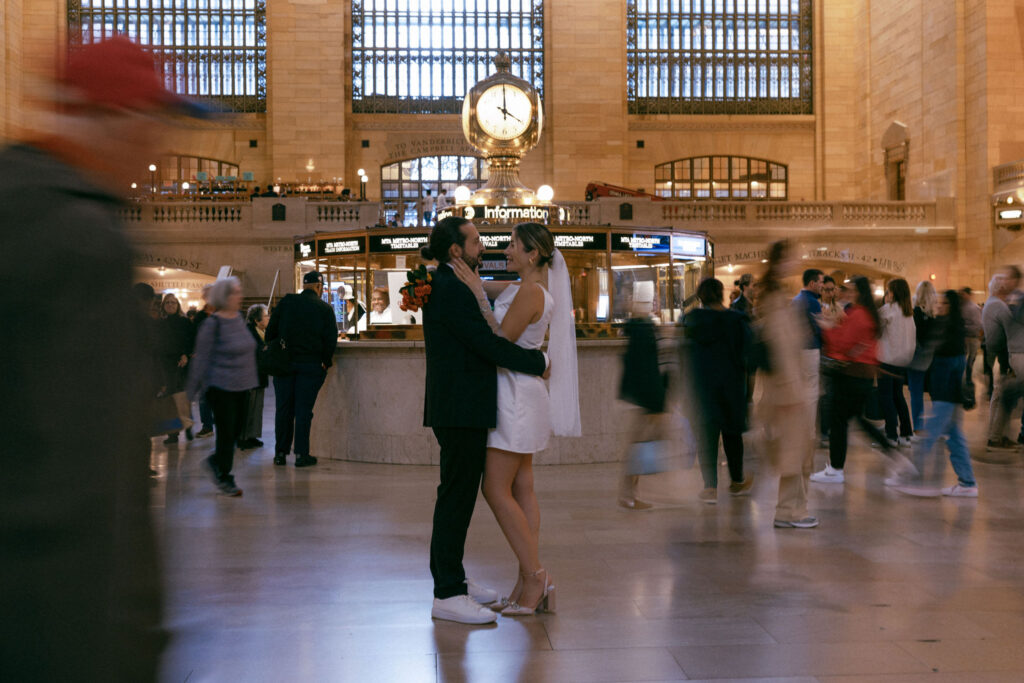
502	117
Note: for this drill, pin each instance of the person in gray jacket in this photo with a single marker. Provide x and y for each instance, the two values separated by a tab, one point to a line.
224	367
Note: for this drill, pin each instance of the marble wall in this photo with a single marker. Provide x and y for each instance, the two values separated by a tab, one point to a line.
371	407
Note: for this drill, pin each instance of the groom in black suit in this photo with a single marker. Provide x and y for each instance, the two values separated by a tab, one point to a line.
460	406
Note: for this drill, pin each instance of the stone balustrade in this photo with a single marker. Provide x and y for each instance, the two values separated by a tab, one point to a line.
292	217
1011	174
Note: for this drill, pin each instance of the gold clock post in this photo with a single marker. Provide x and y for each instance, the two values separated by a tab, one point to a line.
502	117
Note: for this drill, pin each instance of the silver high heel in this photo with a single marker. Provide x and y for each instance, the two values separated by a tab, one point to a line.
545	604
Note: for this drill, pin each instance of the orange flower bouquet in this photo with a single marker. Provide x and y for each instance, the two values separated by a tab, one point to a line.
416	291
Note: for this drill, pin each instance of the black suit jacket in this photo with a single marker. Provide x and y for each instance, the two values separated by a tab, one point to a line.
307	325
462	355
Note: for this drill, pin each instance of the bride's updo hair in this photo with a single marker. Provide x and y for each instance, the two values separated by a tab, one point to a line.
534	236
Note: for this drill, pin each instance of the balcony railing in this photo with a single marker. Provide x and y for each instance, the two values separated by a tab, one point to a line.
1011	174
186	212
303	217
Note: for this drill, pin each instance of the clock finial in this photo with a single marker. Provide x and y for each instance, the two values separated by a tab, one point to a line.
502	61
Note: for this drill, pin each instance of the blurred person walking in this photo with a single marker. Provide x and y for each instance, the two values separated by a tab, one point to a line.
947	373
1001	321
82	597
256	319
851	345
972	324
831	309
716	347
224	367
925	302
205	414
895	351
744	304
177	338
643	385
309	330
782	413
808	302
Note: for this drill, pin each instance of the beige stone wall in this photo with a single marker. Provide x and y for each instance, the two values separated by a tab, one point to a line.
306	88
951	70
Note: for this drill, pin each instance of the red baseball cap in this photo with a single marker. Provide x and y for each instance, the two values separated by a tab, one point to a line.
119	73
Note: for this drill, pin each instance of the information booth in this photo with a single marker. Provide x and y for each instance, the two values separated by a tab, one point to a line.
608	267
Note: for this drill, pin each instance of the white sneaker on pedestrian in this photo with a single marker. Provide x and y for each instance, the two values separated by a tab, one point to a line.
829	475
958	491
481	594
463	609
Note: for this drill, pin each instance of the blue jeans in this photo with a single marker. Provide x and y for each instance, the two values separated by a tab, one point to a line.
946	420
295	395
915	379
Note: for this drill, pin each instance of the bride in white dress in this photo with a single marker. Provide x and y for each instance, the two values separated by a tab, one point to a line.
527	414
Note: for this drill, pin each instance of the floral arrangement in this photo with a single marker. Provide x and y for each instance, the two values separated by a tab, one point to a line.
416	291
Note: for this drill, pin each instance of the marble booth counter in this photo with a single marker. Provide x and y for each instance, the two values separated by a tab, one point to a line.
371	406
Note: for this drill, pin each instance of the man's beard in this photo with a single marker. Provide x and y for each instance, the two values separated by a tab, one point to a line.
471	261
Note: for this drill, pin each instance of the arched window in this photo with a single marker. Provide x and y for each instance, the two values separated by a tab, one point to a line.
718	56
411	57
404	183
214	49
721	177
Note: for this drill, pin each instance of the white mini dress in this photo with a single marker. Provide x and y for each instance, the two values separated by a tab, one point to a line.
524	407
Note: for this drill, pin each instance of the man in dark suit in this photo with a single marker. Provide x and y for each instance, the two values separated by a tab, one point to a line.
310	334
460	406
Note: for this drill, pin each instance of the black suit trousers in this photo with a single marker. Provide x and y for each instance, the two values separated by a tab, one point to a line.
463	453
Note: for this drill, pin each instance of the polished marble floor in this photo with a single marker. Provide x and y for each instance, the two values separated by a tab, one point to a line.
321	575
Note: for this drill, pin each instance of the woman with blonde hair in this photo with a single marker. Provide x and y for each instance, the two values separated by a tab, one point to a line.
925	303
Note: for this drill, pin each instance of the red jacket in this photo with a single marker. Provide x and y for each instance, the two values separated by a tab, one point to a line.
854	340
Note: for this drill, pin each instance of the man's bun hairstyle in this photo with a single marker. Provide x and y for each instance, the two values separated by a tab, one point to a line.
447	232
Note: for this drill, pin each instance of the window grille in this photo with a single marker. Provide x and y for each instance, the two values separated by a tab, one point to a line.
724	178
421	57
719	56
206	49
404	183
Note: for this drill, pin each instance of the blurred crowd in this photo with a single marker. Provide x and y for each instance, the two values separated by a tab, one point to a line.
838	351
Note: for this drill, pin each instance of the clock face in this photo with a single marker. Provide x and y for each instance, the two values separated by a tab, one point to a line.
504	111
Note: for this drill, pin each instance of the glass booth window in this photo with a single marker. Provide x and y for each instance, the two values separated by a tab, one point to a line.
404	184
387	276
646	276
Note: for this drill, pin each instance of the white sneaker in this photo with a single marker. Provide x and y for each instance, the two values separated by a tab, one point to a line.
829	475
462	609
481	594
958	491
